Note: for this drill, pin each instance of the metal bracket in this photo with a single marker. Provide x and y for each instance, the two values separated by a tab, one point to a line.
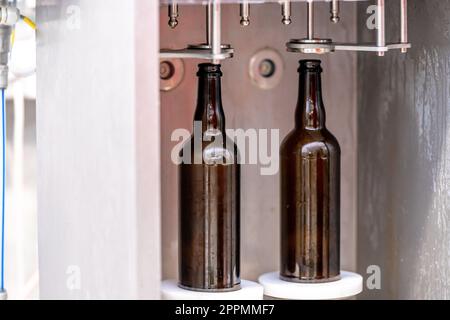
299	46
212	49
197	53
312	44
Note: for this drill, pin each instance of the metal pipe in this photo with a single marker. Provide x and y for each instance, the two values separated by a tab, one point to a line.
245	13
173	14
286	12
381	27
335	11
216	41
310	20
208	24
404	23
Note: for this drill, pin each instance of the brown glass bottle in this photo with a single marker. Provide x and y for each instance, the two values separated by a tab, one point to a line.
209	193
310	189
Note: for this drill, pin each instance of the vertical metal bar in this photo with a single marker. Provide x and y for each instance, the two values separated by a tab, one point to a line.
216	41
173	14
381	27
404	23
286	12
335	11
208	24
310	19
245	13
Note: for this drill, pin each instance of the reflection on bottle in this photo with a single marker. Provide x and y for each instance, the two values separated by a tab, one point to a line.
310	189
209	194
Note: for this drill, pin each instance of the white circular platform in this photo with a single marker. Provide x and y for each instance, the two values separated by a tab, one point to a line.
3	295
348	286
249	291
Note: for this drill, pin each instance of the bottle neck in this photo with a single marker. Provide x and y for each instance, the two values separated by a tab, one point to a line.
209	104
310	113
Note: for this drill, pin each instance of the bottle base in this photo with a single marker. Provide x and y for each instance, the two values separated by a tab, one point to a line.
234	288
304	280
349	286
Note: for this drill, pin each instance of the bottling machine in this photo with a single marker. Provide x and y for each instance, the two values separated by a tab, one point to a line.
117	89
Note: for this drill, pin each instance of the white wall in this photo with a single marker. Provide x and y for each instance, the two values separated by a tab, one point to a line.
98	149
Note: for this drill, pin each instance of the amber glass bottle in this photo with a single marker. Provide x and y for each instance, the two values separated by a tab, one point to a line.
310	188
209	196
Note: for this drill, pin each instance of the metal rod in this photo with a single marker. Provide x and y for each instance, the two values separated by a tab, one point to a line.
335	11
381	27
404	23
173	14
216	41
286	12
208	24
245	13
310	20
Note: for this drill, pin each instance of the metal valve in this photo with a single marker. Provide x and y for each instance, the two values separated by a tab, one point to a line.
173	14
310	44
245	13
286	12
335	11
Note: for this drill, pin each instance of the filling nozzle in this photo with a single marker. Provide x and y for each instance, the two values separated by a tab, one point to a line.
286	12
335	11
173	14
245	13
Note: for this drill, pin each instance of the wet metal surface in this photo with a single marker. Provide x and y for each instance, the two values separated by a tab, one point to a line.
404	158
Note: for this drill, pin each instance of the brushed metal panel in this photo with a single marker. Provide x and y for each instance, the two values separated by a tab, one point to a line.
404	158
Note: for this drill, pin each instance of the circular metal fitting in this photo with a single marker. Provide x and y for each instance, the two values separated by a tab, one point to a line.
266	68
204	46
3	295
316	46
171	73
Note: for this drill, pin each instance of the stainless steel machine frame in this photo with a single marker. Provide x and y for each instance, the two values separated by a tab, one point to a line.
213	50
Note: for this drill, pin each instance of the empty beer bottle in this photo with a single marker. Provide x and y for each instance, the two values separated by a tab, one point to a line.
209	193
310	189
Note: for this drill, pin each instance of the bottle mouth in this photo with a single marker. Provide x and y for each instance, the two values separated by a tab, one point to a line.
209	69
310	65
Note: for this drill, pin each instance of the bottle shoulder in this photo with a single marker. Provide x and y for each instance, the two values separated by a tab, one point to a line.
218	141
217	151
309	142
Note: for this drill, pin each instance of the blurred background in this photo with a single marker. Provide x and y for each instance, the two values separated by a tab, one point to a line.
21	259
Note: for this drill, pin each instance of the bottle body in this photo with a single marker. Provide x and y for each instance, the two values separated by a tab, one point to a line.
310	189
209	193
